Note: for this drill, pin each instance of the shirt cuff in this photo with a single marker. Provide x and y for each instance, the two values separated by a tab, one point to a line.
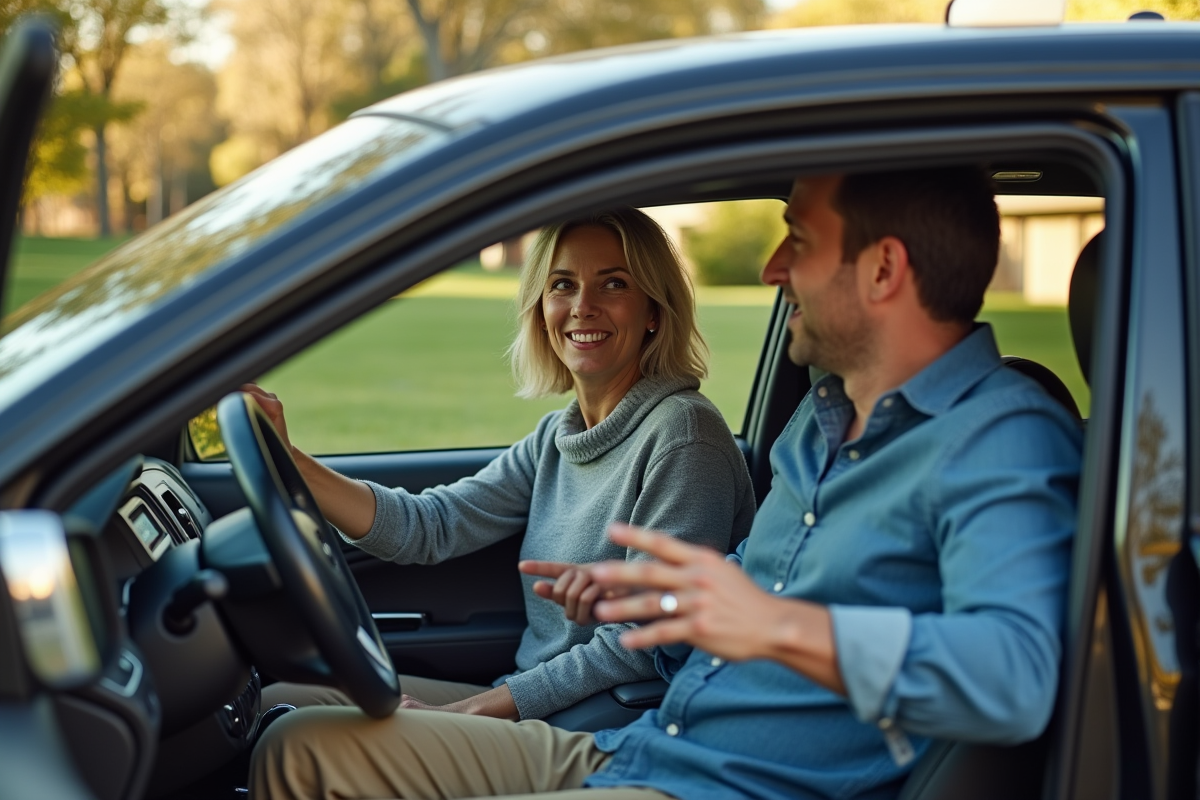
871	643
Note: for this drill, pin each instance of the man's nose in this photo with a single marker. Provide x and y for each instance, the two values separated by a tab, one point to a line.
775	271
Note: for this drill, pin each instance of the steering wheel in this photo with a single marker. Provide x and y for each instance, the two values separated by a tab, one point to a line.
308	556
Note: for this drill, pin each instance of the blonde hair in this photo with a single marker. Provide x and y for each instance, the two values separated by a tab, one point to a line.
675	350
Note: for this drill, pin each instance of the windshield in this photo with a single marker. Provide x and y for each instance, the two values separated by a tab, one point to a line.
58	327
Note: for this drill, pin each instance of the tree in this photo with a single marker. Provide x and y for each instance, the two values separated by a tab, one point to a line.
736	240
58	162
380	41
584	24
161	157
466	35
1114	10
851	12
94	40
848	12
58	158
293	58
99	46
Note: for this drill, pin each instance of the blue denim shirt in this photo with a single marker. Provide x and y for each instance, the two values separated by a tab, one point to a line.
940	540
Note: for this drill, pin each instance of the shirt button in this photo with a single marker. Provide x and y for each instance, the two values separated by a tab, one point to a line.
854	455
716	662
887	402
810	518
672	729
778	587
822	392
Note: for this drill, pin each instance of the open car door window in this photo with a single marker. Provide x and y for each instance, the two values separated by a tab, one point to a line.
28	62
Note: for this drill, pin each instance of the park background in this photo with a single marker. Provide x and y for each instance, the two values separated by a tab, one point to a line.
160	102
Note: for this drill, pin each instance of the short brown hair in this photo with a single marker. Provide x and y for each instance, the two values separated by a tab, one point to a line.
675	350
948	221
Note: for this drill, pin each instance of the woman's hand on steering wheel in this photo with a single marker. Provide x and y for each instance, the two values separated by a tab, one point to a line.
572	588
272	406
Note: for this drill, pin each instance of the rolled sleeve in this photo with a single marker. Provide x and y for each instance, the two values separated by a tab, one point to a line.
871	645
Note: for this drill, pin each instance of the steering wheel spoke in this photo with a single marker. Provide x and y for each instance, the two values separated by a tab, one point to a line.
307	555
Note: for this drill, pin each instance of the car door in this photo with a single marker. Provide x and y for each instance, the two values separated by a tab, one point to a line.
27	67
33	758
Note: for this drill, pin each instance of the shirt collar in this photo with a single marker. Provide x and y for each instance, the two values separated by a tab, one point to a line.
935	389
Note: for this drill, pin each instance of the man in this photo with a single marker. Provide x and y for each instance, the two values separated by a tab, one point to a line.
904	579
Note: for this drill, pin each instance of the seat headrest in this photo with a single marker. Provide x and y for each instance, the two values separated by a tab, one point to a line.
1081	303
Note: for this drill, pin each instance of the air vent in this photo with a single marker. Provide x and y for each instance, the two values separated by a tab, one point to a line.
181	514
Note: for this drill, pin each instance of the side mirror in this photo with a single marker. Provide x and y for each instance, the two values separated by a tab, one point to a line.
53	586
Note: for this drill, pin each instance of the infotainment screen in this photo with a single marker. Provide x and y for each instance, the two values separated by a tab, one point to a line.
145	527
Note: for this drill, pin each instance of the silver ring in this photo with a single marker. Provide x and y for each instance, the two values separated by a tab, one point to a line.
669	603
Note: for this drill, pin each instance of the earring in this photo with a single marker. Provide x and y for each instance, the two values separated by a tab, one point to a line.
652	330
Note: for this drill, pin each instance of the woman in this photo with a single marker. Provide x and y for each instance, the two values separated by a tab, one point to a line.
607	311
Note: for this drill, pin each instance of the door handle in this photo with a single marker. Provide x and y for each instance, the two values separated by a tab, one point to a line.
399	620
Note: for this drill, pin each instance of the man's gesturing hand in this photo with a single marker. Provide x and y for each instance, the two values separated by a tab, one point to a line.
718	608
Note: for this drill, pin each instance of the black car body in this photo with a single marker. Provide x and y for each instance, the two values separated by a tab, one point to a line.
114	364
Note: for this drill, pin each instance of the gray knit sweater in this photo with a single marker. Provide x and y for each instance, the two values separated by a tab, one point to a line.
664	458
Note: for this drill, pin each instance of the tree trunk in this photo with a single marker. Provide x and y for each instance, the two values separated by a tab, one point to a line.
102	216
129	209
431	35
154	203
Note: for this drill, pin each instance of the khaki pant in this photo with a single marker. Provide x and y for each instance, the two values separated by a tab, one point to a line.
428	690
331	753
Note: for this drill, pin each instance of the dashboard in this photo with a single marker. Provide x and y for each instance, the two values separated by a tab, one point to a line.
121	732
158	511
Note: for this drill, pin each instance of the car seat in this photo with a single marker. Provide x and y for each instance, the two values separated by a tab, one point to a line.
954	770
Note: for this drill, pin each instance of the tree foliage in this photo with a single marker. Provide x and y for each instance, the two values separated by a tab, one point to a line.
855	12
735	241
163	151
583	24
466	35
93	38
58	161
294	61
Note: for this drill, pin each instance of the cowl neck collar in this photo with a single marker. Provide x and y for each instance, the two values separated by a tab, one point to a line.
579	445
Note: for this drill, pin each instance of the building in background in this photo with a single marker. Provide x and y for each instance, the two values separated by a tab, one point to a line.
1040	239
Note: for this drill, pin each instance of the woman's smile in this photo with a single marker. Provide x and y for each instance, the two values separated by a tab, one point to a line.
588	339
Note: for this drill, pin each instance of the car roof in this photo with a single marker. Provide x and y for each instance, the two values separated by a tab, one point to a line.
895	58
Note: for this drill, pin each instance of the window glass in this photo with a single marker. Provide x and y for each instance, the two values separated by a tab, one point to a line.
428	369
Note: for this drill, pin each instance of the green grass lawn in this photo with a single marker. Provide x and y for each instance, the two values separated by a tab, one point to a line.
42	263
428	370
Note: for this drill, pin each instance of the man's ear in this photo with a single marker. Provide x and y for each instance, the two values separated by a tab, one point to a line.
889	268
